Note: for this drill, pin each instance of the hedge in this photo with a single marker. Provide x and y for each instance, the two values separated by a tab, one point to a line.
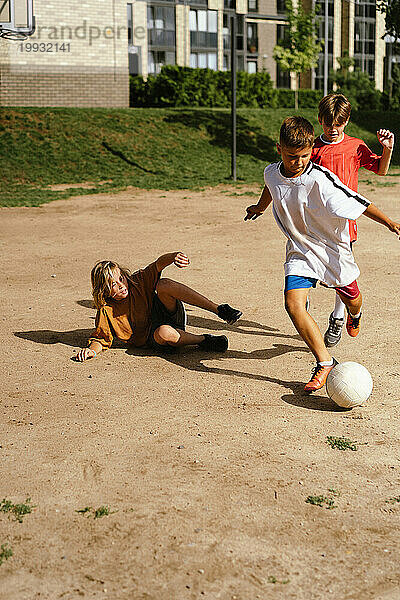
183	86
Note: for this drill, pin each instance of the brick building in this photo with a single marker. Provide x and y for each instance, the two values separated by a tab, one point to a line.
78	56
83	51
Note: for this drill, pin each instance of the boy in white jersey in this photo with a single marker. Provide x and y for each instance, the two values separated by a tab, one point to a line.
311	206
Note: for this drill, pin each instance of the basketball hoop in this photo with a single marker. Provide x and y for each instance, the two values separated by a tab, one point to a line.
16	19
9	34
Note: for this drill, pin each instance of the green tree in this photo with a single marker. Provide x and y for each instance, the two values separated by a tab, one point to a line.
391	8
356	85
298	51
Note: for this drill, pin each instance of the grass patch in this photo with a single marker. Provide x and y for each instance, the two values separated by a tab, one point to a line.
341	443
380	183
96	513
18	511
324	501
148	148
395	500
5	553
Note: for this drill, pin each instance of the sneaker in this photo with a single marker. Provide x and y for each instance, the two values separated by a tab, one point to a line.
318	377
229	314
214	343
353	325
334	332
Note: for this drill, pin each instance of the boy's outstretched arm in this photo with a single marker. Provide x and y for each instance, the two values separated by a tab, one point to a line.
374	213
179	259
386	138
255	210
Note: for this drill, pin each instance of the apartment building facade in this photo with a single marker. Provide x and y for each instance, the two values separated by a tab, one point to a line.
83	55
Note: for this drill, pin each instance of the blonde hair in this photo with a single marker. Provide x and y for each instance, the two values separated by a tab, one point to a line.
296	132
334	108
101	276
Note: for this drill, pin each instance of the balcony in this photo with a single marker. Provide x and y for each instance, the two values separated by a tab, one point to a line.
203	39
161	37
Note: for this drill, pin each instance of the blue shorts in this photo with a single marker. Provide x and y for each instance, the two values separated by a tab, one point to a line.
295	282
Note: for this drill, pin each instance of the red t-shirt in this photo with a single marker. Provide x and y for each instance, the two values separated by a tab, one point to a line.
345	158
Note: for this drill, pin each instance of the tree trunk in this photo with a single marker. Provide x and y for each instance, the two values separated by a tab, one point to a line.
295	84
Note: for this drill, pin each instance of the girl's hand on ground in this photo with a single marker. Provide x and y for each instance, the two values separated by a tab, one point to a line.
253	212
386	138
181	260
84	354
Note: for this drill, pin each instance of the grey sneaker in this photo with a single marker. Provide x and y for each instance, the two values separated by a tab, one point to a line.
334	332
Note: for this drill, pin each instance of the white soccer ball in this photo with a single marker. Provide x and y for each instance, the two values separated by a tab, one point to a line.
349	384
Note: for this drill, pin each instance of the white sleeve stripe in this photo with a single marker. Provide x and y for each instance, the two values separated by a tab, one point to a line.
345	190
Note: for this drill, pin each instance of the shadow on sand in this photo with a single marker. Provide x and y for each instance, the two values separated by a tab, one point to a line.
193	359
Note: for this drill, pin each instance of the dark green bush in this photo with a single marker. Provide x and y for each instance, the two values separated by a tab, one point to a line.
183	86
307	98
391	97
358	88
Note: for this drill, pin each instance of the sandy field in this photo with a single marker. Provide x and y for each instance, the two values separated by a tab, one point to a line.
202	462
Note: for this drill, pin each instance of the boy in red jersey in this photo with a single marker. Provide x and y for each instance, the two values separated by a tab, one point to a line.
344	156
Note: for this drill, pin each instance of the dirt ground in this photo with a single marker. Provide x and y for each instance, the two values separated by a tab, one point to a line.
204	461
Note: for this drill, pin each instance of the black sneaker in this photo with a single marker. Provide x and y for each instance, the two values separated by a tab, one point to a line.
229	314
214	343
334	332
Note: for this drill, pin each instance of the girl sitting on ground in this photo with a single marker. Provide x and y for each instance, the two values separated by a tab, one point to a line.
143	310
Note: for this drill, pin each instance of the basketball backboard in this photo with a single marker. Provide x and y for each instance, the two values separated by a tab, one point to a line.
16	19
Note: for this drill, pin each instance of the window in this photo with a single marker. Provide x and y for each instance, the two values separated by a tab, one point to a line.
282	77
161	37
319	70
252	6
203	28
157	59
251	66
203	60
280	7
129	15
364	36
161	26
252	38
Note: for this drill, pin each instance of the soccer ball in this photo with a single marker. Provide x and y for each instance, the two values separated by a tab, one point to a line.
349	384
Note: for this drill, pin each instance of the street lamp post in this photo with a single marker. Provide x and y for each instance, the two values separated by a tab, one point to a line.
233	92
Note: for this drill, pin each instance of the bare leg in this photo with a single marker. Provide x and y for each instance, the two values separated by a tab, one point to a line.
165	335
170	291
354	305
295	304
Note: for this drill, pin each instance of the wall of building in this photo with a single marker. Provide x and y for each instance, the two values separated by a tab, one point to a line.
77	57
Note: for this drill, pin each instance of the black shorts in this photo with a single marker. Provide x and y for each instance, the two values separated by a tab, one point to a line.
161	316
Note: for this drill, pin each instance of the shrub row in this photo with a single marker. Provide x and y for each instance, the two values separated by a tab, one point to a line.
183	86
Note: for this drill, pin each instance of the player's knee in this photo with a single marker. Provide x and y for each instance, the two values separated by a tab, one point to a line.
165	334
293	305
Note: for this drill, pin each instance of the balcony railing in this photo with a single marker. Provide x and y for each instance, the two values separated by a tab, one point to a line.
161	37
203	39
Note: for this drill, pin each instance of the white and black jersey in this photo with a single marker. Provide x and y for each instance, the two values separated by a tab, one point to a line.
312	211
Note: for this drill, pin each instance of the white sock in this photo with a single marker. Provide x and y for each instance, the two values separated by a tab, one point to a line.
326	363
356	316
339	310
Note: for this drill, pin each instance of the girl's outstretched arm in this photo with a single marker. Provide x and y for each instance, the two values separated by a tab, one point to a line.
177	258
91	352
